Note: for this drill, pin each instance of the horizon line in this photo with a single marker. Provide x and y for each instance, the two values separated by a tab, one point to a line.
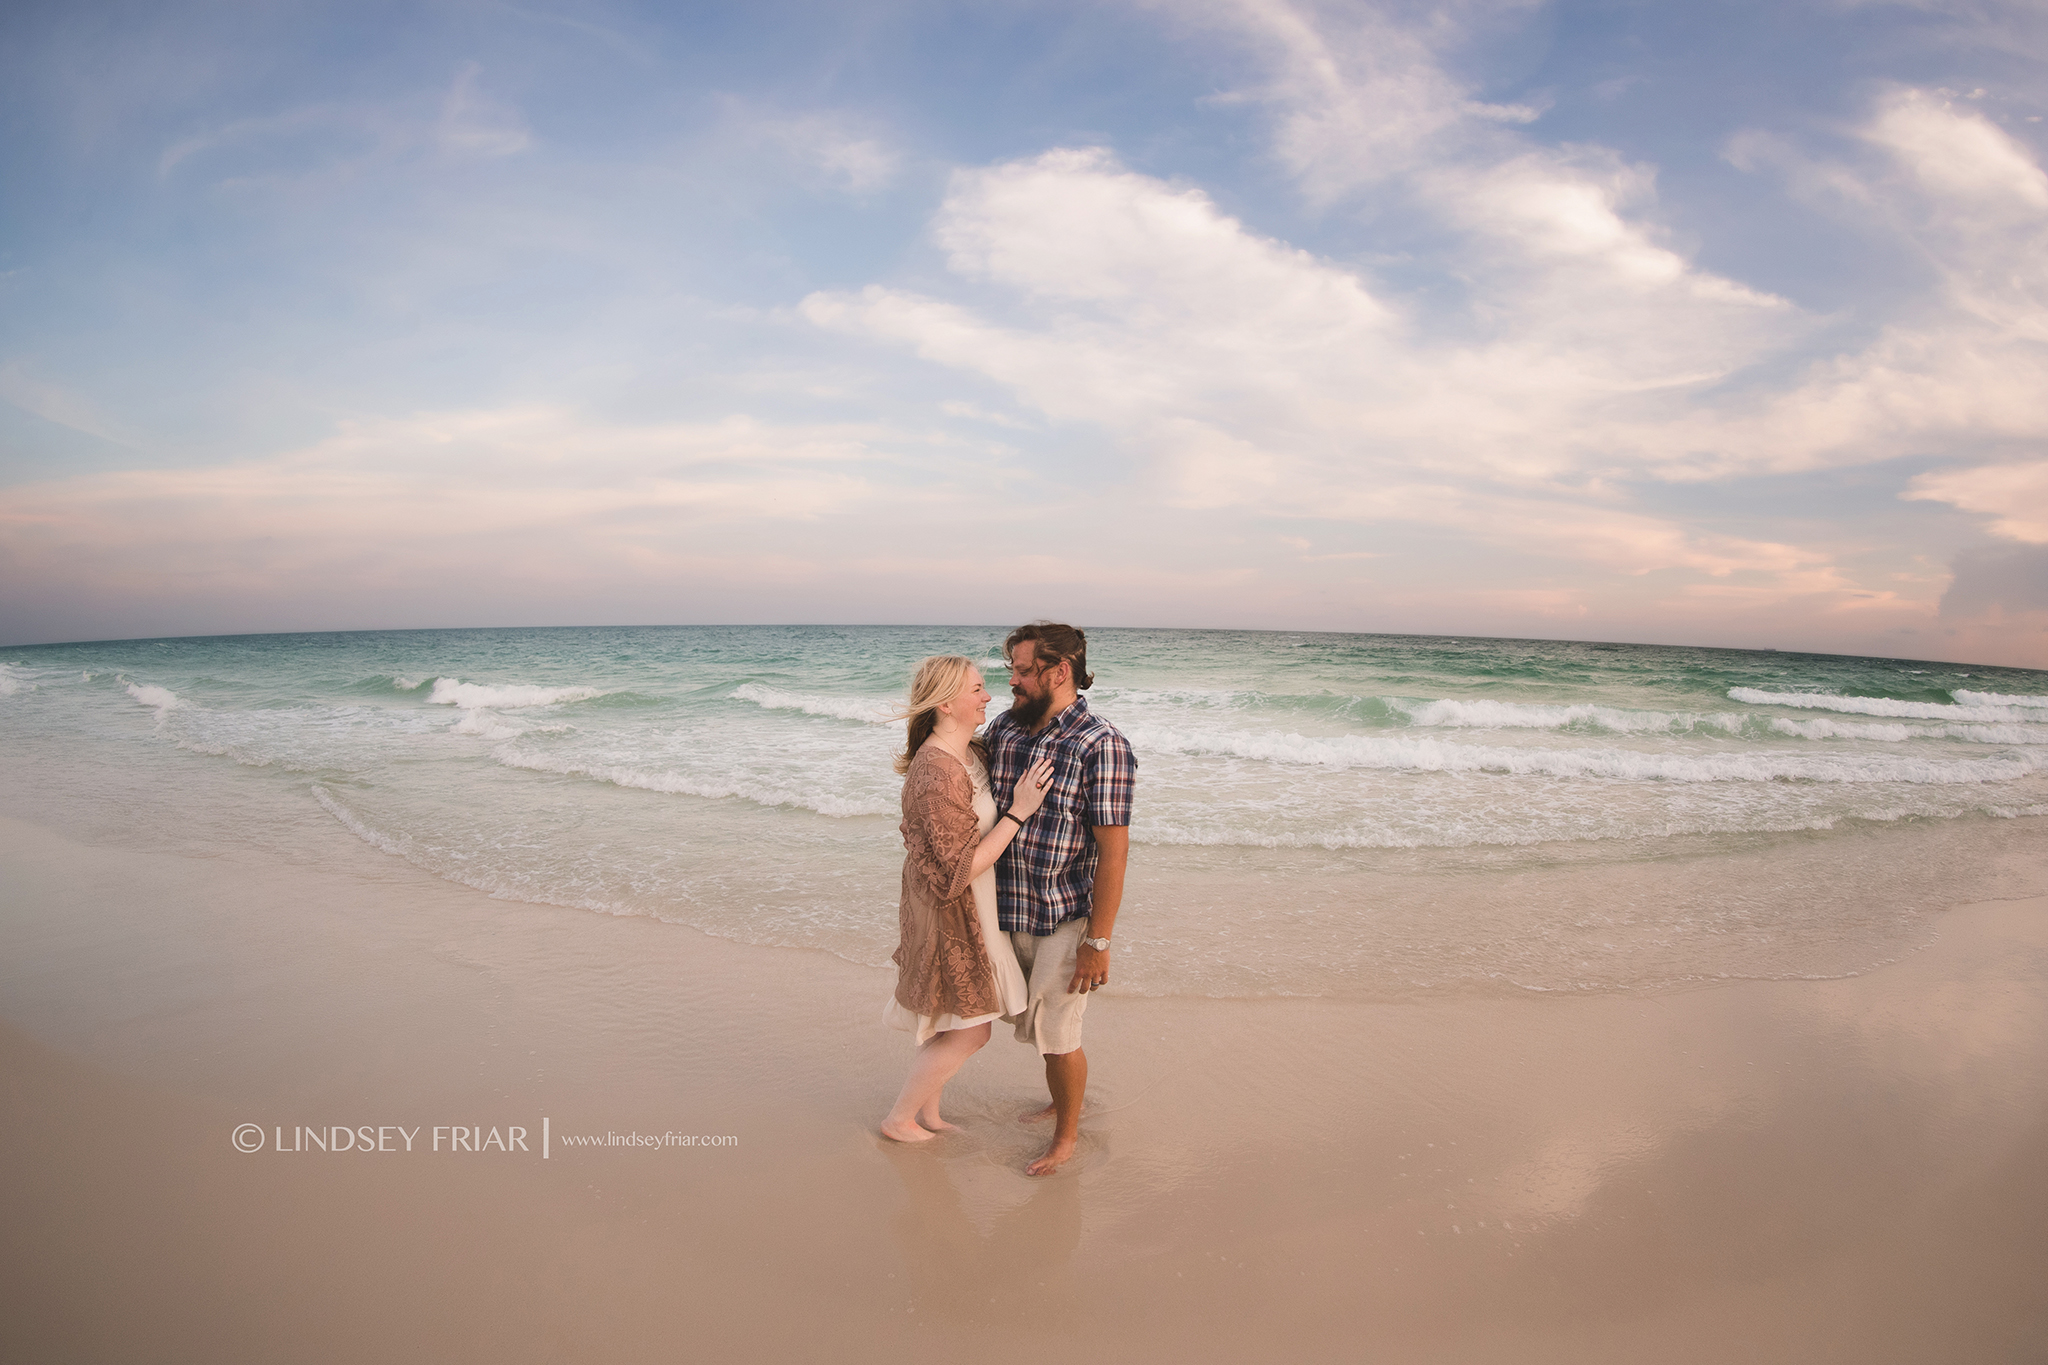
944	625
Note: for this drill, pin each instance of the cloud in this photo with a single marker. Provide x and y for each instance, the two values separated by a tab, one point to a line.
495	503
475	124
338	137
837	146
1962	158
1966	366
1256	376
475	472
1996	605
1563	265
2015	496
1499	387
54	403
2007	580
1592	355
296	143
859	164
1361	94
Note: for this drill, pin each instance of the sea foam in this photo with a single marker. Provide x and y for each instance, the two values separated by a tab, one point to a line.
1888	706
712	788
162	699
1902	732
1969	698
509	697
489	725
1424	754
870	710
1507	715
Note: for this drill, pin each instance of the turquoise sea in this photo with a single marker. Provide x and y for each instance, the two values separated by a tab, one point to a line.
1316	814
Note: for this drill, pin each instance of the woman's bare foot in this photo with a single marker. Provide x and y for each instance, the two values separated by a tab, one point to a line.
904	1131
1038	1115
1055	1157
937	1124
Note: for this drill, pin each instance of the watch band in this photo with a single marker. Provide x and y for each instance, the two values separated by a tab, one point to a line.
1100	945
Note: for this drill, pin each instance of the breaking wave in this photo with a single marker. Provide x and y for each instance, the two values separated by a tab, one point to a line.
2006	708
161	699
870	710
1900	733
1968	698
1508	715
509	697
489	725
714	788
1432	755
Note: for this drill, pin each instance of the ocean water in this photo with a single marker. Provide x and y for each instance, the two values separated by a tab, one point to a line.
1316	813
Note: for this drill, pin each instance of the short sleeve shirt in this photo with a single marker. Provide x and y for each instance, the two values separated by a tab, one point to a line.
1047	875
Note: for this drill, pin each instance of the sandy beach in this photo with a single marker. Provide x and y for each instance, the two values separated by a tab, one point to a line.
1798	1171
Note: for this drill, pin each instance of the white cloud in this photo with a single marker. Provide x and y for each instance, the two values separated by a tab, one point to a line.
1257	376
1593	352
1362	95
530	491
1958	155
837	146
1966	367
1572	286
2014	496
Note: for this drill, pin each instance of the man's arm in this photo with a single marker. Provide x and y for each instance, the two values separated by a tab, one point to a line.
1113	855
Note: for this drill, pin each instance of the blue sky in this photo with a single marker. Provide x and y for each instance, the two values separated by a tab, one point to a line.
1721	324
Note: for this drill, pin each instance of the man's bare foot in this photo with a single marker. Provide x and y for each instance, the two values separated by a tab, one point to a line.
1038	1115
937	1124
1055	1157
904	1132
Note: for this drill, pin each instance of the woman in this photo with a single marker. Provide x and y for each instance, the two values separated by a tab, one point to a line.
956	972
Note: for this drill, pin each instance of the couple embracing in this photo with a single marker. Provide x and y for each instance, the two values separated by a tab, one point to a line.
1015	845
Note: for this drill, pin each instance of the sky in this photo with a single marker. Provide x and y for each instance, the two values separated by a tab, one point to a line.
1715	323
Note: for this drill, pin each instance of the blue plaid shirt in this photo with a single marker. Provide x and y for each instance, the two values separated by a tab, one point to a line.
1047	874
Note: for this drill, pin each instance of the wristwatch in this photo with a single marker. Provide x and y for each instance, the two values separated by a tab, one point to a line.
1100	945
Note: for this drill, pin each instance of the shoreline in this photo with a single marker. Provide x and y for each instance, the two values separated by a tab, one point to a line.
1788	1170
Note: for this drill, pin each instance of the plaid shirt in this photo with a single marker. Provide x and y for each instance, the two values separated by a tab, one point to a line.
1047	874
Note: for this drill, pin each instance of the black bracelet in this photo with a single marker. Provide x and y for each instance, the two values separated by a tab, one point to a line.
1008	815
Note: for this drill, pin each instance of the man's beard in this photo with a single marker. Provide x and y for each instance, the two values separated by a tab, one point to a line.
1029	711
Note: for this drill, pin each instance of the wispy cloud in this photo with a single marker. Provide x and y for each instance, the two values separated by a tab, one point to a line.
55	403
1359	93
473	123
327	137
840	146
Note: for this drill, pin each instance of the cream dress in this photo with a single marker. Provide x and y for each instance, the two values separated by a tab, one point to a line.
1001	956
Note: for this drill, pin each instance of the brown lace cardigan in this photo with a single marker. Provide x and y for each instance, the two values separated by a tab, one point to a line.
941	965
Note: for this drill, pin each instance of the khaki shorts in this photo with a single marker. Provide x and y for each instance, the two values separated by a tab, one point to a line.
1051	1020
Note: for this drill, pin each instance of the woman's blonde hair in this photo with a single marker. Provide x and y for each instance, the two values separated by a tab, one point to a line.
937	680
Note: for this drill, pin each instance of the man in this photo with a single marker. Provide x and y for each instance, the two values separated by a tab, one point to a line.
1059	883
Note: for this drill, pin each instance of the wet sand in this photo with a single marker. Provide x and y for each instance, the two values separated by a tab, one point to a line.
1802	1171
